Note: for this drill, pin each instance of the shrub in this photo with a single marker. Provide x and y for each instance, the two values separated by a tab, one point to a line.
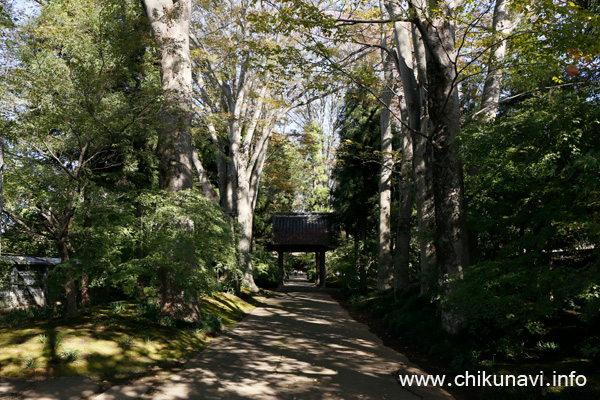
149	309
118	307
30	363
125	342
18	315
69	355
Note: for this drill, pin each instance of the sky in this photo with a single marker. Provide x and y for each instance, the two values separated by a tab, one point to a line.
23	7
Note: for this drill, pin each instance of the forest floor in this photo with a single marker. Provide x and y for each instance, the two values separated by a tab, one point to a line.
300	344
110	344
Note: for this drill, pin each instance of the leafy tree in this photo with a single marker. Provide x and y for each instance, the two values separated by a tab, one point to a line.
88	87
195	263
356	172
312	189
533	204
248	76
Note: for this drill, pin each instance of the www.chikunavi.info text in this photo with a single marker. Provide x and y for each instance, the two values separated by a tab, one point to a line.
483	379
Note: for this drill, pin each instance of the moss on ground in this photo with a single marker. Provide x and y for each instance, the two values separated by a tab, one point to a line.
109	342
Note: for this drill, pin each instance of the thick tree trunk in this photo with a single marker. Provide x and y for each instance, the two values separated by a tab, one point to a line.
423	172
1	186
401	259
413	84
86	300
245	216
229	191
450	214
70	285
170	21
385	272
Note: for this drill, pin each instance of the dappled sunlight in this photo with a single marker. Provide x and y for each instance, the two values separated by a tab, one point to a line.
106	344
299	345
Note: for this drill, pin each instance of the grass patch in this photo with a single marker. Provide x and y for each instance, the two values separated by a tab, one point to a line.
113	341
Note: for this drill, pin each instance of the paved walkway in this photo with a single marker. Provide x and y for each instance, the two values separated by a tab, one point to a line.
299	345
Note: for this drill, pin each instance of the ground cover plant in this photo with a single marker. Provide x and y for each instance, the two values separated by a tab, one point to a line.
110	341
562	344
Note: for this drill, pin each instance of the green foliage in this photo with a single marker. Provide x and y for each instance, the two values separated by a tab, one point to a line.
502	297
344	260
355	172
417	319
88	92
118	307
211	323
533	208
311	181
150	310
182	235
69	355
18	315
30	363
355	196
547	347
590	348
125	342
266	268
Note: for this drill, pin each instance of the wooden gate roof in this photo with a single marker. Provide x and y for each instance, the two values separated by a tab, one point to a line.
303	232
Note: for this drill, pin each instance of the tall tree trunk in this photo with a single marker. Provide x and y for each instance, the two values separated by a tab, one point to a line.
70	285
413	84
170	21
502	26
245	216
207	187
229	191
385	271
401	259
451	233
423	172
86	299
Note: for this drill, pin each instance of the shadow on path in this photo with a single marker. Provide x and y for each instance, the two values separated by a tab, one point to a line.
299	345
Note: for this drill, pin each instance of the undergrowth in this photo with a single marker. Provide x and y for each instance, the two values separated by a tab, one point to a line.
540	346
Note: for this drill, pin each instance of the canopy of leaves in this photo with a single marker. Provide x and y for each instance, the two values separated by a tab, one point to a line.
357	169
533	207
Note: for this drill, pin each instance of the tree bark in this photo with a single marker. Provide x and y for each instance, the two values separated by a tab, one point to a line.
245	216
170	21
1	186
69	284
423	172
414	83
207	187
385	271
86	300
401	259
502	26
444	109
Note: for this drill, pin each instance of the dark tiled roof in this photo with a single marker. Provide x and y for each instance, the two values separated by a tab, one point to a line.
303	229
